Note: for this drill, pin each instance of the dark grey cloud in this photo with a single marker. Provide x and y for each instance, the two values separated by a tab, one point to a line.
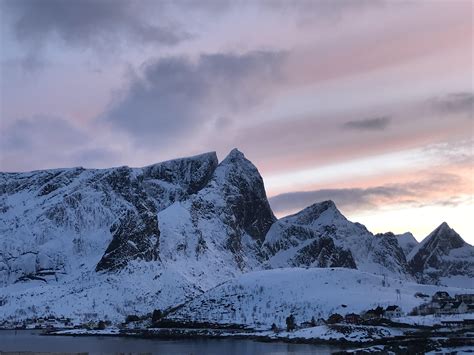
457	103
26	134
47	142
368	124
86	23
176	96
358	199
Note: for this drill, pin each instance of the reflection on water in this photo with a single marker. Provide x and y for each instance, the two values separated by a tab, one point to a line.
31	340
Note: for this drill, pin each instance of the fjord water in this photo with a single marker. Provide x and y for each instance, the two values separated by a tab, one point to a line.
33	341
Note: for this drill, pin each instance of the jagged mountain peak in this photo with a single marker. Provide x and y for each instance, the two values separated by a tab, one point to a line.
407	242
322	230
235	153
313	213
237	165
443	238
442	254
241	186
444	231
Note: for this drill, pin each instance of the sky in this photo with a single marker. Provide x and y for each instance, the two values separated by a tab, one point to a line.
365	102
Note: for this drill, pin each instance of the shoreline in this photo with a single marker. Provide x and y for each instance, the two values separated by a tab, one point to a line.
421	340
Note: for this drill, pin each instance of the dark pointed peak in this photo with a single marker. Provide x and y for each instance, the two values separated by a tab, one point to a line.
235	154
443	230
241	187
236	165
443	237
444	226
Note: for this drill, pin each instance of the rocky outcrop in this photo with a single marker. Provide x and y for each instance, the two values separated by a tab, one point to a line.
322	252
386	252
298	240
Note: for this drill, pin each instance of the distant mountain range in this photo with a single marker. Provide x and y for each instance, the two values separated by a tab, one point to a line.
128	240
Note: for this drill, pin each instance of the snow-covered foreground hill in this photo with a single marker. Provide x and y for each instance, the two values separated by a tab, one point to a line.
93	296
260	298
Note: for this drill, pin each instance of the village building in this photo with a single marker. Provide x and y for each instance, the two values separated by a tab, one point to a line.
467	298
441	296
335	318
352	318
393	312
373	313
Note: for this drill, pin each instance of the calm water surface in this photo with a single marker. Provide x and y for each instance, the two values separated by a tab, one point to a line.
31	340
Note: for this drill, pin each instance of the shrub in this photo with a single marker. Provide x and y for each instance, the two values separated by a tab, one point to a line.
132	318
290	323
157	314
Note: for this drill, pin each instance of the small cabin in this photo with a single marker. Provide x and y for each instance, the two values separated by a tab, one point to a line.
393	312
373	313
335	318
441	296
352	318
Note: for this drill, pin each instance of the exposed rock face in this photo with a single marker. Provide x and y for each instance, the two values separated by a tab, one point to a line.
441	255
387	252
298	240
322	252
136	233
241	185
220	229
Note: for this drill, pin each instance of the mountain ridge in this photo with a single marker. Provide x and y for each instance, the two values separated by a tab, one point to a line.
175	229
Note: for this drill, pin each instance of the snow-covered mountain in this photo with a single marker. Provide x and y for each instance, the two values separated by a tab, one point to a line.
97	243
320	236
407	242
443	257
172	229
55	222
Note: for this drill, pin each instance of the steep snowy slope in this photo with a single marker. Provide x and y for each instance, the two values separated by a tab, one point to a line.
407	242
443	257
321	236
217	233
260	298
55	222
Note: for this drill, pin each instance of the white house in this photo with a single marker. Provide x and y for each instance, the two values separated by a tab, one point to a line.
393	312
